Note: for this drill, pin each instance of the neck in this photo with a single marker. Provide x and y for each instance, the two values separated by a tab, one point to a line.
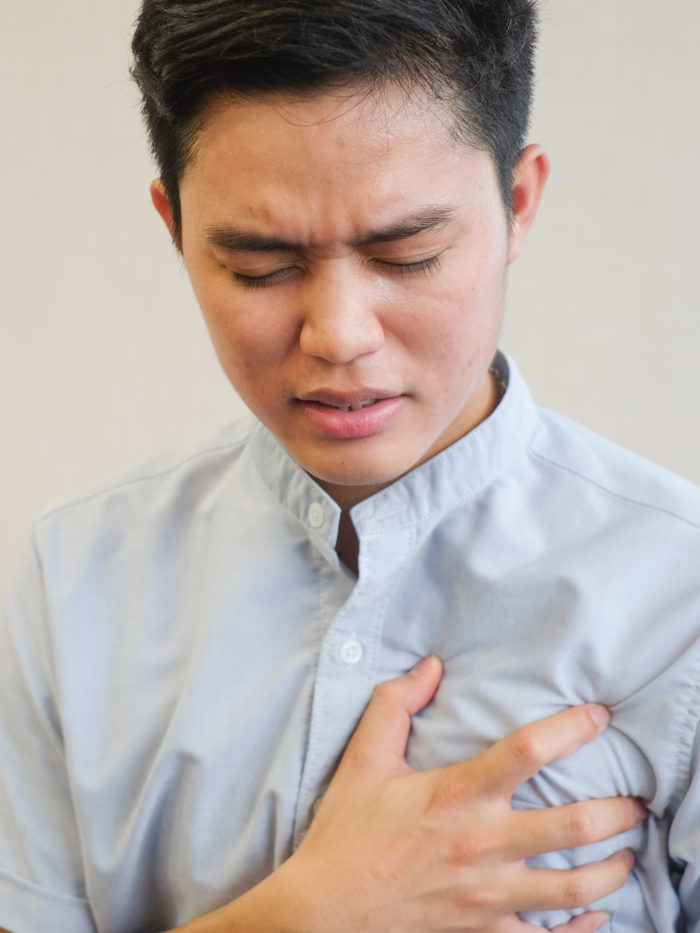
347	546
485	401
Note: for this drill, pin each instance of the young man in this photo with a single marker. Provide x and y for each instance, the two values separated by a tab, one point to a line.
190	649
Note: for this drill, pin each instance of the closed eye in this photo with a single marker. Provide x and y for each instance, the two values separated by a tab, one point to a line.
402	269
410	268
264	281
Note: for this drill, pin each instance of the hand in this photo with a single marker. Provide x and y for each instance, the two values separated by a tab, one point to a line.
393	850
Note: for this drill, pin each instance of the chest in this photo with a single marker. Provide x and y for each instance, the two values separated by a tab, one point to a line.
215	776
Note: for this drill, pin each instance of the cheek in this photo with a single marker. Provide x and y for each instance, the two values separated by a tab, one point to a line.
455	322
454	337
248	349
245	329
240	322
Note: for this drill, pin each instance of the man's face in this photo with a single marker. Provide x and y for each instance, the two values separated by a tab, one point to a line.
350	260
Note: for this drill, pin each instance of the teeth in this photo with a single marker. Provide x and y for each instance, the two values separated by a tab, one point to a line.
362	405
355	407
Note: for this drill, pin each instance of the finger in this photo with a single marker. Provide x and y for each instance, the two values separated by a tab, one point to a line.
514	759
585	923
588	922
533	832
381	736
557	889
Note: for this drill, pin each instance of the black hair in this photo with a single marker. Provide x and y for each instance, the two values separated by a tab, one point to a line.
478	55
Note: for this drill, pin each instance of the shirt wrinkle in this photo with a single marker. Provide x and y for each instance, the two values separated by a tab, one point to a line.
612	492
690	732
57	895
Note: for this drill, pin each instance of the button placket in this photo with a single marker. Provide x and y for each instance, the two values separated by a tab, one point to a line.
316	515
341	694
345	674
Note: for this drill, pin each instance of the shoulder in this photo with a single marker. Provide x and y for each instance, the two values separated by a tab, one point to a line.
588	465
164	486
178	464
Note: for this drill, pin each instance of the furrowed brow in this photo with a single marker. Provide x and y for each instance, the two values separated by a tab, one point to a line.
235	240
431	218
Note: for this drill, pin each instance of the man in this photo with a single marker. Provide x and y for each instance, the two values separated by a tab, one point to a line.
190	649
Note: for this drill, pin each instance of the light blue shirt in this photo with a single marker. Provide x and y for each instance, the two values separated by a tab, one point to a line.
184	659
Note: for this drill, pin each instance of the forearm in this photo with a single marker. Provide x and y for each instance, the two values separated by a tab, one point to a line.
279	904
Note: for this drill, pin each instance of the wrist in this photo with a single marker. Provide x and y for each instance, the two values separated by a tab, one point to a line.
281	903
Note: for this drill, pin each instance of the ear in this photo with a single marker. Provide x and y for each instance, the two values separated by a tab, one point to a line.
161	202
529	179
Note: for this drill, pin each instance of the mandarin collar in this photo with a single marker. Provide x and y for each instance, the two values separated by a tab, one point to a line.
418	500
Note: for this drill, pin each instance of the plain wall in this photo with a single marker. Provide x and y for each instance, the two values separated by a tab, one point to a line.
104	359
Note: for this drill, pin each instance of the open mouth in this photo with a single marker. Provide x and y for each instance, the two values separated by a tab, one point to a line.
357	418
356	406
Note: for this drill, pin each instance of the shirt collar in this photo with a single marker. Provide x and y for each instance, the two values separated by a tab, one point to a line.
419	499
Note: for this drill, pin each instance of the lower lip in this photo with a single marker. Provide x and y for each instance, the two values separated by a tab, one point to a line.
333	422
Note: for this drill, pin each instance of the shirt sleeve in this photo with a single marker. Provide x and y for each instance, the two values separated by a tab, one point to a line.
42	885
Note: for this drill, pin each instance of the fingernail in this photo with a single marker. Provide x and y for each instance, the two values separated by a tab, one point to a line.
629	858
599	714
605	917
640	810
423	666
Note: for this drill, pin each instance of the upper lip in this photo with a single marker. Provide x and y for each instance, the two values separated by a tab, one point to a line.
346	399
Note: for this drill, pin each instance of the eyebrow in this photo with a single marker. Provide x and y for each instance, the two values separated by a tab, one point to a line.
235	239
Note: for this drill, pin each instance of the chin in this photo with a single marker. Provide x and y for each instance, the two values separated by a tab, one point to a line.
372	476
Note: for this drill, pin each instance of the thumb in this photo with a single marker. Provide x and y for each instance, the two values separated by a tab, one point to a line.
382	734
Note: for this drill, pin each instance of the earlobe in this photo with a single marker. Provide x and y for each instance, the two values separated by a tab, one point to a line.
161	202
529	179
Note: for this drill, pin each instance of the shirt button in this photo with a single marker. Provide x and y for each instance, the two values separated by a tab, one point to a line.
316	516
351	651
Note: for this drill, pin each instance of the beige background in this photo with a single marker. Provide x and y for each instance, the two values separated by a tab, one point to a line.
103	357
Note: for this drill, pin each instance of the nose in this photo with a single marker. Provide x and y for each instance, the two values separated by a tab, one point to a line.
340	320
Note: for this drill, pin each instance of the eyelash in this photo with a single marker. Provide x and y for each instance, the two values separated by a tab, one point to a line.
412	268
402	269
254	281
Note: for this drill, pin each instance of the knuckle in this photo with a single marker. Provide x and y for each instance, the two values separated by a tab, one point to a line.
478	900
385	692
581	825
449	796
469	850
575	891
527	749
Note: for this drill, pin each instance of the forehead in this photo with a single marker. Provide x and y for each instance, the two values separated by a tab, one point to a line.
336	161
367	120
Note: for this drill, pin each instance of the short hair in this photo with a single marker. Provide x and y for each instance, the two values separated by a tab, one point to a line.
477	55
